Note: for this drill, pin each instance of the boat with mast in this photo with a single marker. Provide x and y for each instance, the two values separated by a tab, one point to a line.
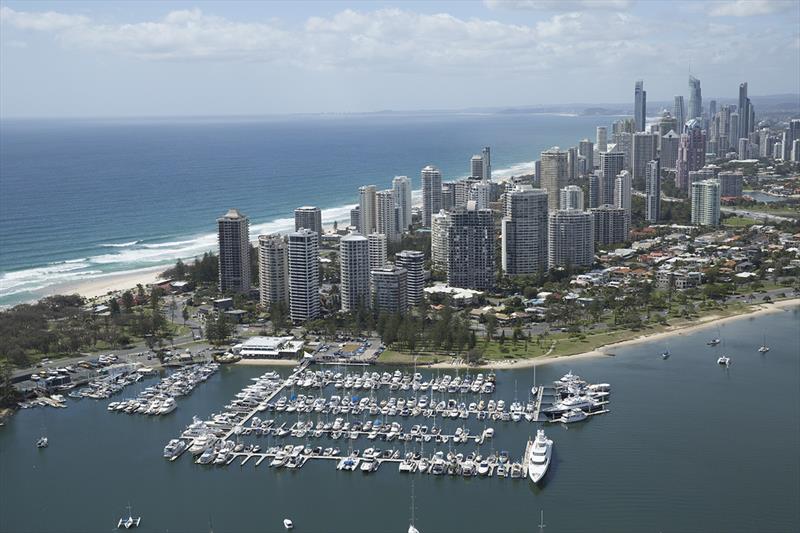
411	527
129	522
764	348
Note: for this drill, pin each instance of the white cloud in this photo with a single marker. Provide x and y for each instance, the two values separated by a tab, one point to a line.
560	5
749	8
40	21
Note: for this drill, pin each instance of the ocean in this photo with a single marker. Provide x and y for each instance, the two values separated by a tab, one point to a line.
80	199
688	446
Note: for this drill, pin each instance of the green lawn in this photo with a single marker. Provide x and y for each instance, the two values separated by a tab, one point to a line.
739	222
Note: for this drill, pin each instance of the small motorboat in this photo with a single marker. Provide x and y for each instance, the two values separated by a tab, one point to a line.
665	354
724	360
763	349
713	342
42	443
288	524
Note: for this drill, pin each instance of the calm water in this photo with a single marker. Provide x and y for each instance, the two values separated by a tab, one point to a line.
81	199
688	446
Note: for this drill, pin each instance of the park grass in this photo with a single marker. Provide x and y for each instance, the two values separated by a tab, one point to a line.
739	222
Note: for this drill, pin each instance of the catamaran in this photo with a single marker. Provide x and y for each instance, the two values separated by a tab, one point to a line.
764	348
129	522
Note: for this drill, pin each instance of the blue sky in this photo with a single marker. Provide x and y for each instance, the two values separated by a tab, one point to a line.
76	59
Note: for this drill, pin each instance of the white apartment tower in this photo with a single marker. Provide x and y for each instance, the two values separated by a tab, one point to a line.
486	159
431	193
611	164
386	215
524	231
652	186
476	167
705	203
644	150
402	195
623	186
554	174
367	209
570	239
571	197
308	217
273	271
413	262
303	275
233	235
377	250
439	241
354	267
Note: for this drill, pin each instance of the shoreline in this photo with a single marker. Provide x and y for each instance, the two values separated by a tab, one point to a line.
712	320
106	285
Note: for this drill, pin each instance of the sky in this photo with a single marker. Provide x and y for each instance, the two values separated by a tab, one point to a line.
122	59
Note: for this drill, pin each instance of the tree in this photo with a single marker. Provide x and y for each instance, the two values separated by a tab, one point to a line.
127	301
491	326
185	314
502	339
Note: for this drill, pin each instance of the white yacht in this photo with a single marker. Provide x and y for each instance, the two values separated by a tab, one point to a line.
174	448
412	529
724	360
129	522
288	524
42	443
201	443
573	415
539	456
764	348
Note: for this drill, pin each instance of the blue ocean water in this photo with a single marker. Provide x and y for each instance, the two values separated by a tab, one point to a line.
82	199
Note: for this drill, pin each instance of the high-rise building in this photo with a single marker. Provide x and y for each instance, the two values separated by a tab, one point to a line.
777	150
481	192
462	189
554	174
796	150
377	250
355	268
611	164
669	149
744	148
273	271
486	158
595	190
730	183
402	195
476	167
234	252
733	139
623	143
571	198
695	99
448	195
705	203
524	231
601	139
640	105
355	218
413	262
303	275
789	136
431	193
470	248
386	215
570	239
586	150
666	124
691	153
645	148
712	108
679	111
308	217
623	186
389	290
744	111
609	225
652	186
572	163
367	209
439	241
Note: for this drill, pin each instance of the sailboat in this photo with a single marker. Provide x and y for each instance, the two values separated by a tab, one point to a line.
764	348
665	353
129	522
411	528
716	340
542	525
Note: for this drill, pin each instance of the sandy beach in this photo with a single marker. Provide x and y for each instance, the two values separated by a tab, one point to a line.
607	350
107	284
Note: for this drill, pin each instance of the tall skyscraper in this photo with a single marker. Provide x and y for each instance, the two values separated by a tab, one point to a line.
439	241
572	163
303	275
712	108
790	135
695	99
377	250
652	187
554	174
233	236
448	195
570	239
402	195
486	158
355	218
431	193
640	105
389	290
609	223
691	153
730	184
476	167
705	203
679	112
571	198
586	150
273	271
308	217
744	148
413	262
481	192
524	231
386	214
595	192
601	139
669	149
470	248
644	150
744	111
354	269
622	197
611	164
666	124
367	209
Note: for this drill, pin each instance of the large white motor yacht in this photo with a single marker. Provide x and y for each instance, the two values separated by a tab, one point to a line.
539	458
